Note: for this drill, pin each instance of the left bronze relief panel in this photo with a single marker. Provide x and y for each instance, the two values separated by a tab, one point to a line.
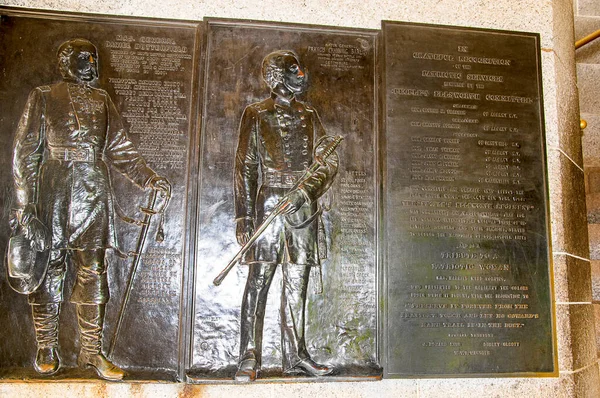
99	129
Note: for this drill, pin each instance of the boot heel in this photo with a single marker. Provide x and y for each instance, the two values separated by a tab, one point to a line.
91	321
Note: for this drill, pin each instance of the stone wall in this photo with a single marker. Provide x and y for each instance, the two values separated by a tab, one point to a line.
573	298
587	20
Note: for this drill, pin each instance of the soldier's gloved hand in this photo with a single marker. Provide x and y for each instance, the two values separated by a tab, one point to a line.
34	229
38	234
243	230
160	183
27	214
294	201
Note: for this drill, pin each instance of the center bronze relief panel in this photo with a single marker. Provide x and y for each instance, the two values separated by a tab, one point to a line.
302	300
215	202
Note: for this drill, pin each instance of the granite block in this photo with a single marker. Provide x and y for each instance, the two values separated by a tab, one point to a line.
385	388
588	82
594	237
572	280
479	388
592	179
576	336
582	384
597	327
589	53
568	130
588	7
592	202
567	205
590	140
595	276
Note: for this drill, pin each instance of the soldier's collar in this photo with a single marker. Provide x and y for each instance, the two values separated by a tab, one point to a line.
281	101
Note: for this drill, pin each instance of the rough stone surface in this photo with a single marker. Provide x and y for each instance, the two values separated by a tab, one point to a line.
589	53
576	336
594	236
588	7
586	383
592	180
590	139
568	132
588	82
553	20
567	208
572	279
595	271
597	325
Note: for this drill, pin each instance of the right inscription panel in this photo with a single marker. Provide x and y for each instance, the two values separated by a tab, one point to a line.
467	277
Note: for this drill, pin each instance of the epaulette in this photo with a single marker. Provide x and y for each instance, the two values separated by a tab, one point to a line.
44	89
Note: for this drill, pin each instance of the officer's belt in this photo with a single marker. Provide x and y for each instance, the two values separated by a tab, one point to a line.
83	154
280	179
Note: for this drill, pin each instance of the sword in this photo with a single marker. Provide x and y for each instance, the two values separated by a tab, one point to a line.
149	211
278	208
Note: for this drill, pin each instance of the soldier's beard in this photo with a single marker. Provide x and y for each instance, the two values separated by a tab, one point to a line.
89	76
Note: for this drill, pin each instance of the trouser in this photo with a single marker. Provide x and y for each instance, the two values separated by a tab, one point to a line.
293	300
91	288
91	285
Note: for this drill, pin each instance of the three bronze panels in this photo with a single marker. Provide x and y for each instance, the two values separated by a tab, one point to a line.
242	200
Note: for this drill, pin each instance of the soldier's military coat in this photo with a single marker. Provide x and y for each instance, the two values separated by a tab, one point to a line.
67	136
275	147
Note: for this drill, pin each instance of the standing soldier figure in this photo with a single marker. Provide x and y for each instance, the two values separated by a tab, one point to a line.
277	138
67	136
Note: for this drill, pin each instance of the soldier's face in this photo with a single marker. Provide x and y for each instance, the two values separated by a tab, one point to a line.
293	75
84	63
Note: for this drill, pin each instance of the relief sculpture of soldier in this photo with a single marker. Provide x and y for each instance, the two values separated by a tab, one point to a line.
279	138
68	135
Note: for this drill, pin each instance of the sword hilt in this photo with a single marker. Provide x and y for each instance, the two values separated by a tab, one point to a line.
330	148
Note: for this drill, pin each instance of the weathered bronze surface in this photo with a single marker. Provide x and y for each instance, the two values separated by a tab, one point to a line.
102	124
271	92
466	286
425	253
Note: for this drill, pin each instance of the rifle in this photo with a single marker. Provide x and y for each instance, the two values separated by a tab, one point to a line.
329	149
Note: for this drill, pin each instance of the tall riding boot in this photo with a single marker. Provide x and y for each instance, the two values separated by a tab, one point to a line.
91	321
45	322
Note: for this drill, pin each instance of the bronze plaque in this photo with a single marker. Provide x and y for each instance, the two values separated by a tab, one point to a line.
98	121
466	288
300	299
